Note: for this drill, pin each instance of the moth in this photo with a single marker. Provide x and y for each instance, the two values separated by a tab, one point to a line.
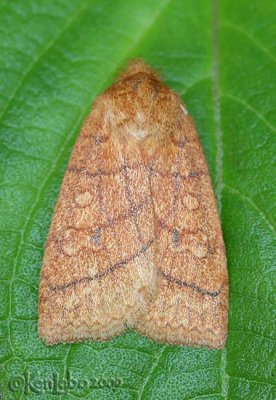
135	241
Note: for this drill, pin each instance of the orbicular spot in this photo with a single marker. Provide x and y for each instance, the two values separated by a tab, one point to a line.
83	199
190	202
71	242
200	250
197	244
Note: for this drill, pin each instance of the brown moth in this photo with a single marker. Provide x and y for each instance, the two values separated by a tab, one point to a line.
135	241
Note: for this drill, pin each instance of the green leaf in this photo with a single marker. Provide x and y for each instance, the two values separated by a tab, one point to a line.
56	56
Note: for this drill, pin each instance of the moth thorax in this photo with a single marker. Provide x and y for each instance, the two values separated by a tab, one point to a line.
140	127
140	133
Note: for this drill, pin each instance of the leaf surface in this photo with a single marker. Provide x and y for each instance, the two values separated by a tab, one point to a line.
56	56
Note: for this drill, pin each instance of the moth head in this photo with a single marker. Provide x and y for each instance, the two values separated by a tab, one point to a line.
137	66
142	108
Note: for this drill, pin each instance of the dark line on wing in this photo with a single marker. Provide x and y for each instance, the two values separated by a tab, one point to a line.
108	271
179	282
100	172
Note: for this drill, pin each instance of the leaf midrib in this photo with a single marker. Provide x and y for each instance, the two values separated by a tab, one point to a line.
219	159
